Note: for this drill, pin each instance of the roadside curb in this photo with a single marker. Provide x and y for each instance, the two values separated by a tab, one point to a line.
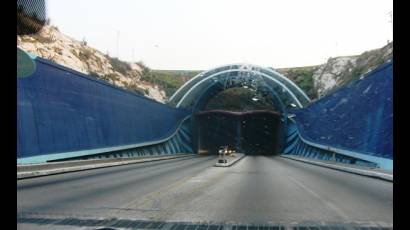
230	163
379	175
40	173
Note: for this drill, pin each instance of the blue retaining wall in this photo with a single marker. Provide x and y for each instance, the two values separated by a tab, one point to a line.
357	118
60	110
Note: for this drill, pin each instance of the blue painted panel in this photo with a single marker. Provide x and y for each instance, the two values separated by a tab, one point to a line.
60	110
358	117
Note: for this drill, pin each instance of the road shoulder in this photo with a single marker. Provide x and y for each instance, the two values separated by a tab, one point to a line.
370	172
45	169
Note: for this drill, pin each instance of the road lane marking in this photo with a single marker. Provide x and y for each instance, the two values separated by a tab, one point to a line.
180	191
335	166
139	201
317	196
170	210
197	180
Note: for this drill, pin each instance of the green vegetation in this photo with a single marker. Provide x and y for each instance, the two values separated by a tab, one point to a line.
136	90
304	80
85	55
118	65
167	80
106	77
112	77
239	99
366	62
302	76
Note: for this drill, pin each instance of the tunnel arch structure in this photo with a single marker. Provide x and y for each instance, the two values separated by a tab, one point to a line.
297	113
194	93
283	94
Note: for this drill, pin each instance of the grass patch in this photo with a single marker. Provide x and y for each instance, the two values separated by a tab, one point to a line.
167	80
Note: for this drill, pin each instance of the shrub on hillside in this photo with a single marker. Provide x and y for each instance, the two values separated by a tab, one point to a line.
119	66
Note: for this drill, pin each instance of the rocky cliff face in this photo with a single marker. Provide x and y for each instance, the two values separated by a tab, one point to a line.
330	74
342	70
318	81
66	51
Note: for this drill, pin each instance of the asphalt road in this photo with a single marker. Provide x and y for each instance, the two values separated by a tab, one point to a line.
257	189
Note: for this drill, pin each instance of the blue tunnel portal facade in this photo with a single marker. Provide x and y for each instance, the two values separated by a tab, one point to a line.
63	114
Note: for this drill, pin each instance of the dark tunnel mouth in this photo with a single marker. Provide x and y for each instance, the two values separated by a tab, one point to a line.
258	132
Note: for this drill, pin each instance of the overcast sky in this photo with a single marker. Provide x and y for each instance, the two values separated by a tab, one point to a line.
188	34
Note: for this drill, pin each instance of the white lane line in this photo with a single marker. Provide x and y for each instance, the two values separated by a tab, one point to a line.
317	196
45	172
363	172
196	181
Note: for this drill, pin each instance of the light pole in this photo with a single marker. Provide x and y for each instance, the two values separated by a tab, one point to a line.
391	21
337	50
118	44
133	55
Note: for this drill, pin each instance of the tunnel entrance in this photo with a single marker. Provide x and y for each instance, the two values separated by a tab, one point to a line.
246	89
253	133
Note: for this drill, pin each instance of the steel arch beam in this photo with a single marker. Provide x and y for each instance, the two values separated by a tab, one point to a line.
252	67
233	70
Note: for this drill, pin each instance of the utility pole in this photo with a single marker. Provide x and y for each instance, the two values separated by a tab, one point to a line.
337	51
391	20
118	44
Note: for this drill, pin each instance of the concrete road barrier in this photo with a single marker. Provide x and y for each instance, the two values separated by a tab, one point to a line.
365	172
37	170
231	160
